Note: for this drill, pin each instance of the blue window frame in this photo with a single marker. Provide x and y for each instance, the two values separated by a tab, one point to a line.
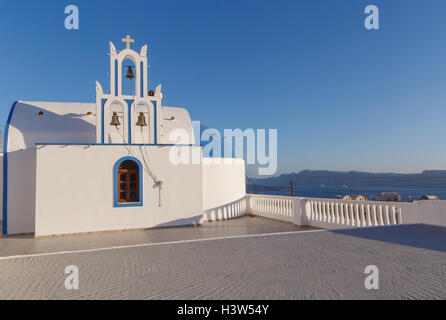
138	194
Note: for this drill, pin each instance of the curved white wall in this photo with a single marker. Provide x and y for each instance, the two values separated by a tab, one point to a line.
224	188
60	122
175	118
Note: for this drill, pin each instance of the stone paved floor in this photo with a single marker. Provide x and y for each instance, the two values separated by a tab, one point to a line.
19	245
317	264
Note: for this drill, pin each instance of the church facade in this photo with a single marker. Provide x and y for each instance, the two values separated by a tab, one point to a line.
87	167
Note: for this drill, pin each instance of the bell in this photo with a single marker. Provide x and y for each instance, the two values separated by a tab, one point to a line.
115	120
141	120
129	74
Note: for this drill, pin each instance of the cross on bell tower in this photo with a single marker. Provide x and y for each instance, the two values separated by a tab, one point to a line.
128	41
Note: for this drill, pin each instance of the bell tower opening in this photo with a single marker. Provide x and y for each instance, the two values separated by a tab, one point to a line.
128	72
141	125
115	118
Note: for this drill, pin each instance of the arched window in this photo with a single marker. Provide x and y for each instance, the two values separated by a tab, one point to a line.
127	182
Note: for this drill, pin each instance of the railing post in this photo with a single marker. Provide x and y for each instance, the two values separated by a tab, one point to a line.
299	211
363	215
380	215
324	210
337	212
387	215
369	220
347	213
248	209
328	211
400	216
393	210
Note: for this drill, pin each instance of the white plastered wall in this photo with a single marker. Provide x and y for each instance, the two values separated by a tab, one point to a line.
74	191
223	182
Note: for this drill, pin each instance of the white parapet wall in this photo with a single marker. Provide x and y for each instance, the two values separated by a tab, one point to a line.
274	207
428	212
224	191
339	214
333	214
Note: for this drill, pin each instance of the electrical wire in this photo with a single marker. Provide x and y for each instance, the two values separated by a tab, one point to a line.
158	183
145	166
154	177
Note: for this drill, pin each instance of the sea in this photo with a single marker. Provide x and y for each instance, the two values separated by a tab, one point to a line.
331	192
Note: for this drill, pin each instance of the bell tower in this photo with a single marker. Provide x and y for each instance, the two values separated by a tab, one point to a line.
128	119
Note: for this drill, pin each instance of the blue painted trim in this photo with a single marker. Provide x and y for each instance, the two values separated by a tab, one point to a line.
142	79
112	144
154	111
102	119
116	181
129	108
5	171
116	77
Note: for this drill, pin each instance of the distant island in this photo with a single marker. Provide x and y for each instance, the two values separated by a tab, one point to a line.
310	178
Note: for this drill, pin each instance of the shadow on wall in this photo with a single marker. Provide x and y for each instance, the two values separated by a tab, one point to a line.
181	222
36	127
228	211
52	127
414	235
21	191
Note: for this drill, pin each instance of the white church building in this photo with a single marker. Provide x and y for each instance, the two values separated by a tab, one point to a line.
87	167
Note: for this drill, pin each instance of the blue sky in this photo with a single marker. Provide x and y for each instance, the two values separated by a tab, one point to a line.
342	97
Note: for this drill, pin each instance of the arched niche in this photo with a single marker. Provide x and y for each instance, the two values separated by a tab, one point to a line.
115	134
128	86
124	57
143	135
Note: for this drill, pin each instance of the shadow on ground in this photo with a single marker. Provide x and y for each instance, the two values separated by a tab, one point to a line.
415	235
